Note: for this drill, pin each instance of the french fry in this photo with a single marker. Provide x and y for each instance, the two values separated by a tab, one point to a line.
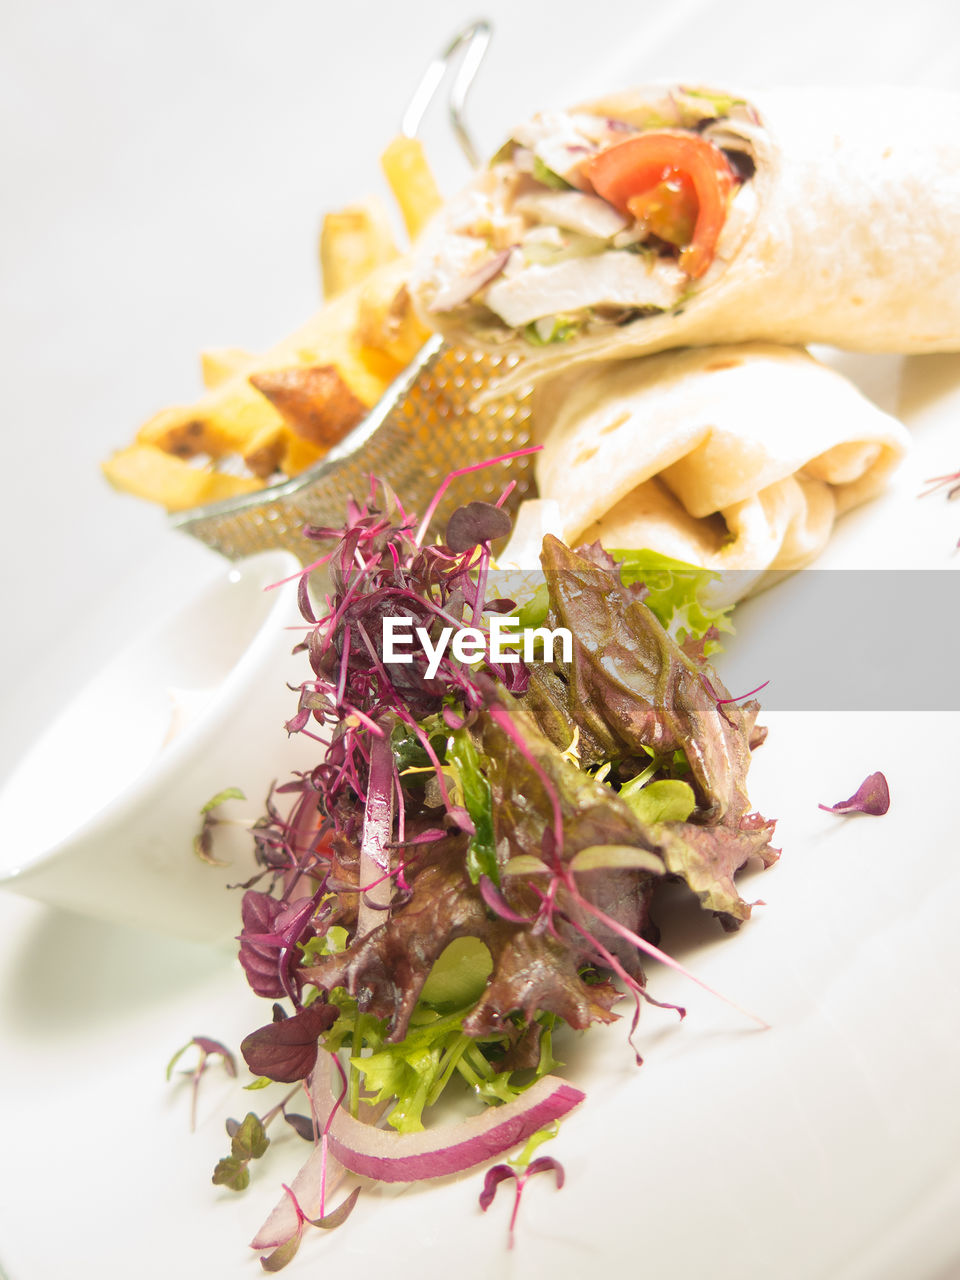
386	320
298	454
227	418
148	472
263	453
315	402
219	364
186	434
411	182
353	243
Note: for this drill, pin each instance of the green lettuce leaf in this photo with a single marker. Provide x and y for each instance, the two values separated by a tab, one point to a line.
481	853
676	595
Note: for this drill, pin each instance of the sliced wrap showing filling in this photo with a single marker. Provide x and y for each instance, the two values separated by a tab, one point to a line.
585	222
735	458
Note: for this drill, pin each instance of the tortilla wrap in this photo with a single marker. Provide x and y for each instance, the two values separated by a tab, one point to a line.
734	457
848	232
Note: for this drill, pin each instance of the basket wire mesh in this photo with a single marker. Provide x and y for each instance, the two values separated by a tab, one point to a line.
425	427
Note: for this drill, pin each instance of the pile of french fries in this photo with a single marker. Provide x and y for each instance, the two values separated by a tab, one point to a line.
265	417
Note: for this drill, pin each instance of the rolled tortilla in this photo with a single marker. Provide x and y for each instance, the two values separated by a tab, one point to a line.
847	232
735	458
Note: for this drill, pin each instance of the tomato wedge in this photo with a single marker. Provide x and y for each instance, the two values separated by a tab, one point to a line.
669	181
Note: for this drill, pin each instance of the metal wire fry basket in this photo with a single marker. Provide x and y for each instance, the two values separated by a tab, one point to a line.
423	429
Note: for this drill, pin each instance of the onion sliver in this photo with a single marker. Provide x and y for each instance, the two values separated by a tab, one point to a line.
434	1153
282	1222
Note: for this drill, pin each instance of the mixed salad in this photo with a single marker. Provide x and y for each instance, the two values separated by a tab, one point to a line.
477	855
584	221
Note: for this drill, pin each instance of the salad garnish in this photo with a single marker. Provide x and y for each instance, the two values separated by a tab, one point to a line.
872	796
203	841
207	1049
475	858
520	1171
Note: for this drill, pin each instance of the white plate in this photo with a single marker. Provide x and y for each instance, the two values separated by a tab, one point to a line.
824	1147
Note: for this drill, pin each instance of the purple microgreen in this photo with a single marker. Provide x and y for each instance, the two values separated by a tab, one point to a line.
307	568
502	1172
208	1049
287	1250
495	1175
872	796
940	482
465	471
498	903
303	1125
474	523
287	1051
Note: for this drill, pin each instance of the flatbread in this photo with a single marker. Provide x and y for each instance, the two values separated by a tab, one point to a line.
737	457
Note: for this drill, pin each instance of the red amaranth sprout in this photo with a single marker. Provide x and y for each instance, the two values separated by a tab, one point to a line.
378	569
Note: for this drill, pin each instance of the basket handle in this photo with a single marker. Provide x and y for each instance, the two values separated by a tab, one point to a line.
473	40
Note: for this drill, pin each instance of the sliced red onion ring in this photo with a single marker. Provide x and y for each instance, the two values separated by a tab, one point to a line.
434	1153
460	291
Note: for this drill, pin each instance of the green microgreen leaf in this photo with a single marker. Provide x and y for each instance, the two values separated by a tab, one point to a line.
535	1140
617	856
177	1056
459	974
283	1254
525	864
233	1173
477	798
228	793
250	1141
261	1082
668	800
336	1217
330	943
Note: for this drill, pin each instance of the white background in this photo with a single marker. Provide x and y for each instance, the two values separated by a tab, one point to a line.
163	173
